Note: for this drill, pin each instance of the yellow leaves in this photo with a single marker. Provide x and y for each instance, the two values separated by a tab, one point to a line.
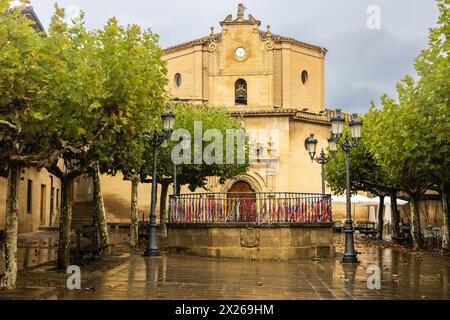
81	131
38	116
94	106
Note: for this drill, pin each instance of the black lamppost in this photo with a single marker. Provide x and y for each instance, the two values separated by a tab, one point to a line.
347	145
159	139
311	147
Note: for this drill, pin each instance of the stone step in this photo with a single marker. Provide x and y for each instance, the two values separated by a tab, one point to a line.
82	214
49	228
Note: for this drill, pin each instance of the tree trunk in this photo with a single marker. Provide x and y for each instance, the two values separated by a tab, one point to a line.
8	280
395	216
162	209
381	218
415	221
65	227
100	211
445	193
134	230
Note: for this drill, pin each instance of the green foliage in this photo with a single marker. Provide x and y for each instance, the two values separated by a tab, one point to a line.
405	144
107	89
433	67
22	91
195	175
366	175
411	135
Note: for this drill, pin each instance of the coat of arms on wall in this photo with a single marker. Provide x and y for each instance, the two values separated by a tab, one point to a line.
250	238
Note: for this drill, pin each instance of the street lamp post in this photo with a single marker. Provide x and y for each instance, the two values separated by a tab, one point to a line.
158	139
311	147
347	145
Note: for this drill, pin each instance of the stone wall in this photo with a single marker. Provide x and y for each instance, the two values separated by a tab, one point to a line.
39	214
283	242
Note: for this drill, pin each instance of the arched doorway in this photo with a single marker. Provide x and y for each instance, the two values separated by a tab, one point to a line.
242	198
241	187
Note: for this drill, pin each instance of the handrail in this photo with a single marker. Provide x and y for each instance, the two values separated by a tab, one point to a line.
257	208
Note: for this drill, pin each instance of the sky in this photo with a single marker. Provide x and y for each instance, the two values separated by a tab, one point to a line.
371	44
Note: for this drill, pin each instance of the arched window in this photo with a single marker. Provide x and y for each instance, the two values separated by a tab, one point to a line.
305	77
178	80
240	89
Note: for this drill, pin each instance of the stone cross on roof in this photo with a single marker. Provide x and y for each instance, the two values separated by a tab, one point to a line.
240	11
240	20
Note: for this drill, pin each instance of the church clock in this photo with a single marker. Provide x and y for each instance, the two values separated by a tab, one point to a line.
240	52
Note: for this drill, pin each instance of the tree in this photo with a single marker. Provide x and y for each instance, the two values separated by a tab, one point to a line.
365	174
410	138
433	67
192	173
22	120
129	159
396	143
113	79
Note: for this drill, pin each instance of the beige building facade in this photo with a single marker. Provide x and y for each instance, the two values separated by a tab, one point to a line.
276	83
39	200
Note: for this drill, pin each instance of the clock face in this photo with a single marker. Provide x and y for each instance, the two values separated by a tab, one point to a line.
240	52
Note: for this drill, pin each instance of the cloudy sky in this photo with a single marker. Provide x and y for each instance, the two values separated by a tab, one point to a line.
361	65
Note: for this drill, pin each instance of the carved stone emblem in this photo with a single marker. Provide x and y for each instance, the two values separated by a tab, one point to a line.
212	46
270	45
250	238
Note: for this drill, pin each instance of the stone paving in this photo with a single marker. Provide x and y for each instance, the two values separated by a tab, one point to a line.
34	249
403	276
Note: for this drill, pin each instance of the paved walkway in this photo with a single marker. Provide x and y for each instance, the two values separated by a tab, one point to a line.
34	249
404	276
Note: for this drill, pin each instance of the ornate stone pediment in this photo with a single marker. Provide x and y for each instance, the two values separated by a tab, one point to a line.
240	18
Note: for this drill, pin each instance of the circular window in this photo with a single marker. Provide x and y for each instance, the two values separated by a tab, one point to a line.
304	76
240	52
178	80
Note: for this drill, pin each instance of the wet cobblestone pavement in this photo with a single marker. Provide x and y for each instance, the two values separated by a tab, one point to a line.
403	276
34	249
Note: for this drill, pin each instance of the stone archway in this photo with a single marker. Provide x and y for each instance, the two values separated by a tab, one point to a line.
241	187
253	182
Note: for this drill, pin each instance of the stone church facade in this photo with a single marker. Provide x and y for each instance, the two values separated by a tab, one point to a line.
275	83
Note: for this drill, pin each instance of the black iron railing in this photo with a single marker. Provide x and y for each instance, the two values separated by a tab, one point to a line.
258	208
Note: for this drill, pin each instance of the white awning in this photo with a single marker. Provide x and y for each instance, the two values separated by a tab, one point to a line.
357	199
365	201
387	201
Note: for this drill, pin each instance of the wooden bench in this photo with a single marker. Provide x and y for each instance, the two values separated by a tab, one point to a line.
369	233
405	236
368	229
402	240
93	248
